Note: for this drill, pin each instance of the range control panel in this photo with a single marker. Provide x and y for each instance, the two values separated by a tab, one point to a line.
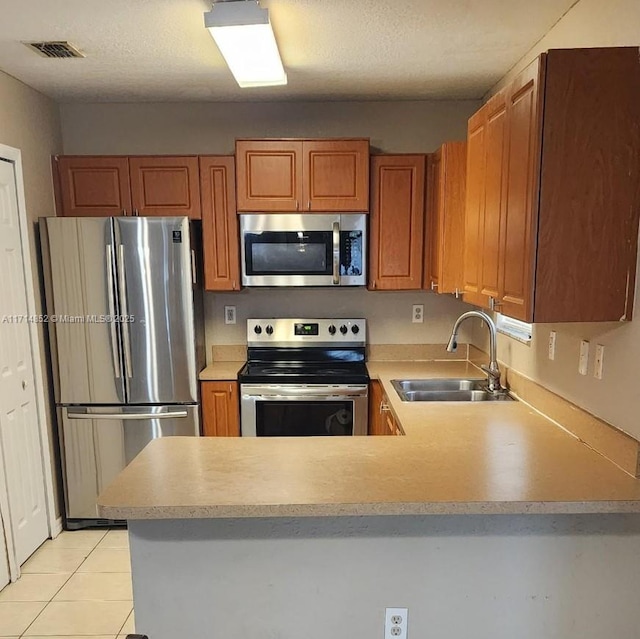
313	331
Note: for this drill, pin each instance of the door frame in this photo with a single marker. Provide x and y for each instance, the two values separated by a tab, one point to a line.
14	156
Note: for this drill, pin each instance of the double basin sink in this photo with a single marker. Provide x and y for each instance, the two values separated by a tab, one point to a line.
447	390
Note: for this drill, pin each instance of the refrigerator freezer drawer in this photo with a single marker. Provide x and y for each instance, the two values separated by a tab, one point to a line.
97	442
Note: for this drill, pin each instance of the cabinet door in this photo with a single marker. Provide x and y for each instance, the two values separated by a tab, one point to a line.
432	224
474	207
376	416
451	177
523	180
397	222
269	175
220	413
92	186
165	186
219	224
494	200
336	175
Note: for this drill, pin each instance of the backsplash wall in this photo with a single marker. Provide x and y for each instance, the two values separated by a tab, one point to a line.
388	314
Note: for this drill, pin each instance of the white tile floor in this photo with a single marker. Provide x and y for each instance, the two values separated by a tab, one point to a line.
78	585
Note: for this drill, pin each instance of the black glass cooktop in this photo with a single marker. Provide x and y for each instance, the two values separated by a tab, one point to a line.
303	373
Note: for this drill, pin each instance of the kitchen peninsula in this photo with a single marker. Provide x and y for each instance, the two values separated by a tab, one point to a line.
484	516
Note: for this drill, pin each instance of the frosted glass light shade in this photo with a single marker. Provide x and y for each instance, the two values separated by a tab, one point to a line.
242	31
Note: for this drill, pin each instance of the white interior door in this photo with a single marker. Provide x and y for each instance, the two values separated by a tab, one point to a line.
20	444
4	555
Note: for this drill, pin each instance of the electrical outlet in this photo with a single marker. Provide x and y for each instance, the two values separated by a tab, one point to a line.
552	345
583	363
395	623
417	314
597	371
229	314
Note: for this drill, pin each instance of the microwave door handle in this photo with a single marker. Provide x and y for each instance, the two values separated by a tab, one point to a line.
336	253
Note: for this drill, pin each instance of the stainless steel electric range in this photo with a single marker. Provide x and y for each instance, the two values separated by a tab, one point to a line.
304	377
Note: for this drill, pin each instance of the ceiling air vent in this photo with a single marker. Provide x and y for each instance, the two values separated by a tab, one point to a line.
55	49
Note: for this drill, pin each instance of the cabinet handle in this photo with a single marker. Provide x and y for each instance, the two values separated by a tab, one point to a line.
457	293
135	212
309	205
297	205
124	211
434	286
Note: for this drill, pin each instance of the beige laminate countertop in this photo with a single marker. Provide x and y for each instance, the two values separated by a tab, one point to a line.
220	371
456	458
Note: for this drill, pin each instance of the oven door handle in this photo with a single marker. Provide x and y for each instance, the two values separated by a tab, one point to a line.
301	398
336	253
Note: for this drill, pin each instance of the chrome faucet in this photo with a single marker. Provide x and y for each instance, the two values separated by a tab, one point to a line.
493	372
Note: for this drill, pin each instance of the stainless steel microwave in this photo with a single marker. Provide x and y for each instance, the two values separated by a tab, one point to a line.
292	249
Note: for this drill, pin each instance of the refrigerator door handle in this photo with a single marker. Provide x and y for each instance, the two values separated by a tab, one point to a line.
126	337
117	364
127	416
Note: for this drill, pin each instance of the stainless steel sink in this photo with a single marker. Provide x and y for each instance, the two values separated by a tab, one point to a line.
447	390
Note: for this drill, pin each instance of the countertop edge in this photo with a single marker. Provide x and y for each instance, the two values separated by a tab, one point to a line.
370	510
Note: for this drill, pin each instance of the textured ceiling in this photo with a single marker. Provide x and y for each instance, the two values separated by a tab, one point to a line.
159	50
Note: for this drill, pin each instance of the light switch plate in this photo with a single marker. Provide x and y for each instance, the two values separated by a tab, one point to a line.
597	370
583	363
552	345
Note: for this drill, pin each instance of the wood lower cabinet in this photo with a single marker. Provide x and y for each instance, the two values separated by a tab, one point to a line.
220	409
397	222
120	185
219	224
553	203
445	219
91	186
381	420
302	175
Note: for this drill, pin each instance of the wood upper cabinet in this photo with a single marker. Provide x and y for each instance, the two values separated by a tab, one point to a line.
397	222
567	197
269	175
115	185
92	186
220	409
336	175
522	191
219	224
165	186
302	175
445	218
474	207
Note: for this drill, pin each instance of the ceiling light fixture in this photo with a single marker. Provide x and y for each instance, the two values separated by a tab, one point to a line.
243	33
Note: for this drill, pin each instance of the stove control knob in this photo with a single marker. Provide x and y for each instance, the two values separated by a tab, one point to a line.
355	329
343	329
269	329
332	329
257	330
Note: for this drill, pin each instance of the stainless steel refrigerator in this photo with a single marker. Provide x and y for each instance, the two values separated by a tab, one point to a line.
126	344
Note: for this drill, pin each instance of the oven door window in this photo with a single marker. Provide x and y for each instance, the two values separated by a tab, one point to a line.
289	253
304	418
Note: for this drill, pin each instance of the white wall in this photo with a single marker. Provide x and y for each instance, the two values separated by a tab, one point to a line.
615	398
212	128
462	577
30	121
